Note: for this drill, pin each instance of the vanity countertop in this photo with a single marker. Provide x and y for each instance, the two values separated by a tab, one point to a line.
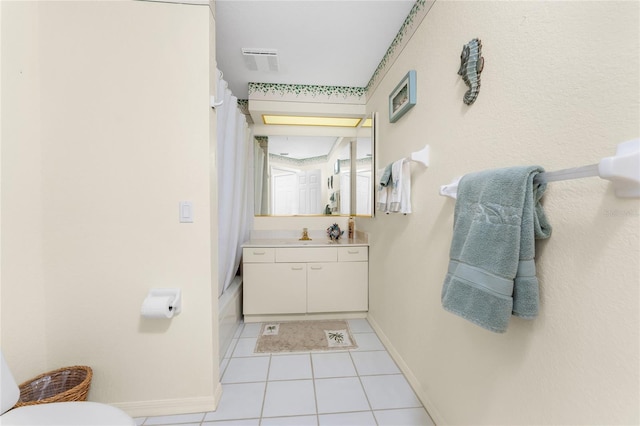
316	242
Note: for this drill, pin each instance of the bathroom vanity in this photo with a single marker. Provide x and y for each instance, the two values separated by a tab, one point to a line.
291	279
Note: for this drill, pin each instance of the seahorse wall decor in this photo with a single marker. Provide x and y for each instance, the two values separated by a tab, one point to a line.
471	64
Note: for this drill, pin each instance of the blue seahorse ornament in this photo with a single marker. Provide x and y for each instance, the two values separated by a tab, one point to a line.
471	64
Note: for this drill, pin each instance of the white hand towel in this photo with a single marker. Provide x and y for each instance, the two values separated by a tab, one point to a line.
397	191
405	195
383	197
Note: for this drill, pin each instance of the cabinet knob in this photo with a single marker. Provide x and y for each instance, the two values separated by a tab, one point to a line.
316	267
259	253
297	268
353	251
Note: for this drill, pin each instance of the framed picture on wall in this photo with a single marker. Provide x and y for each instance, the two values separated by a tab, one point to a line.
403	97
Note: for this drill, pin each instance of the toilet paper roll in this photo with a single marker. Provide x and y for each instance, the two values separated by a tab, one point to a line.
157	307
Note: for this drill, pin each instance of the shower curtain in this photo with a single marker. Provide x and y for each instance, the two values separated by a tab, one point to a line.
235	184
260	186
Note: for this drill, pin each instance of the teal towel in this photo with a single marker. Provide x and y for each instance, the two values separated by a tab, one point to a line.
386	175
492	274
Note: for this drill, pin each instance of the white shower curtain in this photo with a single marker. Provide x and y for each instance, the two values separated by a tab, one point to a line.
260	186
235	182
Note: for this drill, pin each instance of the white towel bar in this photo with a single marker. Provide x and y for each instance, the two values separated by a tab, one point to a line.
623	170
421	156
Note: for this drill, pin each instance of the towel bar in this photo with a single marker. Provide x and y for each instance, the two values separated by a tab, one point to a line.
421	156
623	170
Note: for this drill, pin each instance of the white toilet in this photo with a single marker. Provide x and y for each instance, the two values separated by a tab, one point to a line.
54	414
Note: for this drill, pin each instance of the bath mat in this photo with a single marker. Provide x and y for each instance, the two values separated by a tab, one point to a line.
300	336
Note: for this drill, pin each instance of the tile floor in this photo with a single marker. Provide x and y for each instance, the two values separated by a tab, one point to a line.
347	388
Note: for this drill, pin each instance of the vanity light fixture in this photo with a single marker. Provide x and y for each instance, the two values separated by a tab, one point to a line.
367	123
293	120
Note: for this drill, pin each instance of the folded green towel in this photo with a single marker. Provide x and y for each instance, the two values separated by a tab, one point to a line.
492	274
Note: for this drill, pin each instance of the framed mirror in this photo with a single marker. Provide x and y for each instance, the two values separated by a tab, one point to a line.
302	174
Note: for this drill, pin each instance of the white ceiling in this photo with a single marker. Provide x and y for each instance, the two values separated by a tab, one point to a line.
318	42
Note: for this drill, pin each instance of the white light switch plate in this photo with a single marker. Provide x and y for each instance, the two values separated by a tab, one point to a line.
186	212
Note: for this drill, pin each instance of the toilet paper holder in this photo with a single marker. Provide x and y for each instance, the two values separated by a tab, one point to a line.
176	304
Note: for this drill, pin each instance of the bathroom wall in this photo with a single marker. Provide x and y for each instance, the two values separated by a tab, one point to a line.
117	132
22	325
560	89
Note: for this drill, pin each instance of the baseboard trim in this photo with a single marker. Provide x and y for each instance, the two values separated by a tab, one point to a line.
411	378
165	407
304	317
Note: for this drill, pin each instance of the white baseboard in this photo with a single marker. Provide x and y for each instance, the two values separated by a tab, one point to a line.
411	378
165	407
304	317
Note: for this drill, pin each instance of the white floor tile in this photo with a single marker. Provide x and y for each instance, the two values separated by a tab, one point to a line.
340	395
359	325
243	370
289	398
249	422
290	367
239	401
337	364
245	347
389	391
251	330
404	417
139	420
374	362
363	418
308	388
176	419
290	421
368	342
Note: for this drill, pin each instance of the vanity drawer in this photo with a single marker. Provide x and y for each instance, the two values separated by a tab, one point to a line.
353	254
307	254
258	255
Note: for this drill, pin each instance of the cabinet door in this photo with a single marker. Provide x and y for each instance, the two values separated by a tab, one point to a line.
337	287
274	288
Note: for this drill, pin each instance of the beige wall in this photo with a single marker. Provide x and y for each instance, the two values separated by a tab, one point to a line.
118	132
560	89
23	319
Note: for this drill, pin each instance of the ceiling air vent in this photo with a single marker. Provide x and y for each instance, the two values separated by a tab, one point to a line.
260	59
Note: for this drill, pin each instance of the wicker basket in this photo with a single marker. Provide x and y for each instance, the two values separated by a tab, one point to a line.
64	384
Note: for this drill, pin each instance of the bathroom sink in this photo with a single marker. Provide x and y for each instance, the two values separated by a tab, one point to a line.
309	243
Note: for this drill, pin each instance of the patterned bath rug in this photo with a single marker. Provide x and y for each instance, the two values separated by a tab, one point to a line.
301	336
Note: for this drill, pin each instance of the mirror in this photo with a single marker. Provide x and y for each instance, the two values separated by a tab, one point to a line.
300	174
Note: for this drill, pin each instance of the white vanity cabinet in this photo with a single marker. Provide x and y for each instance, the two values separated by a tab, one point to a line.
305	280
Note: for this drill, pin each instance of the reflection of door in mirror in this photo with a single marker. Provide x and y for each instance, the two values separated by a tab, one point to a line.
296	192
283	191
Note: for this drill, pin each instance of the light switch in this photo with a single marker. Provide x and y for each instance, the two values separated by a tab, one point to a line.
186	212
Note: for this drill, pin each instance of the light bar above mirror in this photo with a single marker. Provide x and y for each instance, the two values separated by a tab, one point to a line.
297	120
